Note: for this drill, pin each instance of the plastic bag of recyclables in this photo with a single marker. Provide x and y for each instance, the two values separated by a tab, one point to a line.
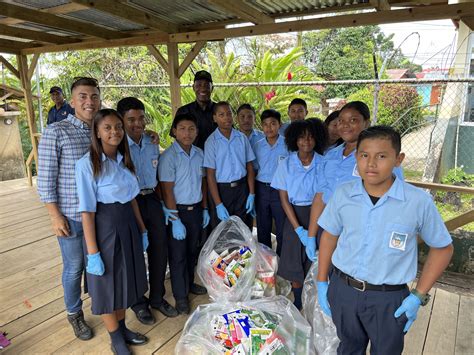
233	266
258	327
324	335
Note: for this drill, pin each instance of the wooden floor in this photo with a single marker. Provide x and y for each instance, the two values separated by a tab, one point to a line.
32	309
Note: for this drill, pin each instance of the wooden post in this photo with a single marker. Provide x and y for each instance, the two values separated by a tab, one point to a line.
175	83
26	86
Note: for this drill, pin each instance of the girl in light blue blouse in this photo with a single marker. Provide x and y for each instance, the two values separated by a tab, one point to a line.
114	233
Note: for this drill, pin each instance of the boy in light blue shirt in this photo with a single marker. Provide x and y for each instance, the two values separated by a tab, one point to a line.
269	152
370	237
228	159
246	121
297	111
145	156
184	189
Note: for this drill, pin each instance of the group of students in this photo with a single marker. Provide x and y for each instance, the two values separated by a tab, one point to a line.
336	186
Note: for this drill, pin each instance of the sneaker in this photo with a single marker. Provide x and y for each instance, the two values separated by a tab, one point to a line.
197	289
79	325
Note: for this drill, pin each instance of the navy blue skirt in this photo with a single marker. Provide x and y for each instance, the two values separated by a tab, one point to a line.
120	244
294	263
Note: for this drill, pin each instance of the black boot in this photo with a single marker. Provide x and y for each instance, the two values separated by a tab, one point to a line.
79	325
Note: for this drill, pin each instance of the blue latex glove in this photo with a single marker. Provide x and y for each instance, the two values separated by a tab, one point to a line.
95	265
222	213
311	248
323	297
205	218
170	215
253	213
410	307
145	240
302	234
250	204
178	229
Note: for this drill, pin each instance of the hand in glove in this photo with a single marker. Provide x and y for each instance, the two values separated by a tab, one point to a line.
95	265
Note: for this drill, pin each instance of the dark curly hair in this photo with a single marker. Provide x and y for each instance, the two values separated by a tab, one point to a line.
314	127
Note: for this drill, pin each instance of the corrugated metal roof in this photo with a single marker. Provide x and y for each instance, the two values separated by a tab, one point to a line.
47	29
41	4
104	19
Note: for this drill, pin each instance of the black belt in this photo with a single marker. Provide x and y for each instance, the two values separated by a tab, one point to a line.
233	183
364	285
264	183
187	207
145	192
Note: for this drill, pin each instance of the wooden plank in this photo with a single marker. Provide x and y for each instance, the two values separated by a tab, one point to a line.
442	187
175	85
33	63
155	52
430	12
168	348
130	13
36	212
35	35
30	255
21	240
441	335
34	303
465	326
9	66
34	319
27	221
190	57
415	338
46	19
57	325
460	220
243	10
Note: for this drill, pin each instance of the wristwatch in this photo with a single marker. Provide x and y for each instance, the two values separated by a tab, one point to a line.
423	297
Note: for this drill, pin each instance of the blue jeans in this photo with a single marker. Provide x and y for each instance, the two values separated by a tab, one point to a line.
73	266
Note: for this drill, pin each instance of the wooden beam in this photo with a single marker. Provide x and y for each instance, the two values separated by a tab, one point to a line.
380	5
173	65
460	220
9	66
435	12
155	52
190	57
130	13
469	21
34	62
17	45
45	19
35	35
244	11
30	112
142	40
442	187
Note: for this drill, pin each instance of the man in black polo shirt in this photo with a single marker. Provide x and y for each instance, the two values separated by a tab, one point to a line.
61	108
202	107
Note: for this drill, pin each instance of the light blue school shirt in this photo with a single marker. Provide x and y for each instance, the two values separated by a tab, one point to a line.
255	136
300	183
377	243
268	157
229	157
337	169
283	128
186	171
115	184
145	159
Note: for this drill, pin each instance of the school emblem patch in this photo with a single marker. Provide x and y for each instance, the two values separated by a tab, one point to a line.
398	241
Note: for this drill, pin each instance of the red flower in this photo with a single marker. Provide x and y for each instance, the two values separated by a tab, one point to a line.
269	95
289	76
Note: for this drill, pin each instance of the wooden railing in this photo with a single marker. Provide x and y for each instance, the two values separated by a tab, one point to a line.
458	221
29	162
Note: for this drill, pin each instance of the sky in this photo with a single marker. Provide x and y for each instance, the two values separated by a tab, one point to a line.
437	44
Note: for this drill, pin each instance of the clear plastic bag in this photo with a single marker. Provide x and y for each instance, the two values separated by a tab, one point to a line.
265	326
267	283
227	261
325	338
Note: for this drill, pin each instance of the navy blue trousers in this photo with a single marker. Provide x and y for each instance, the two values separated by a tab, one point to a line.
268	207
363	316
182	254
